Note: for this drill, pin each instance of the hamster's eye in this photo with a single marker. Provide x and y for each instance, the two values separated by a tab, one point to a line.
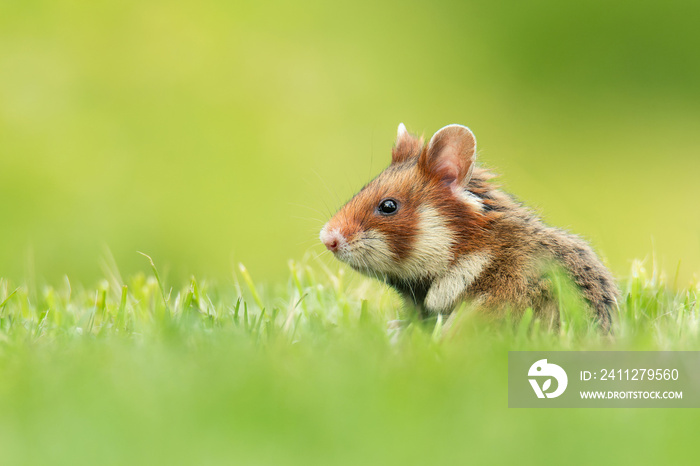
388	207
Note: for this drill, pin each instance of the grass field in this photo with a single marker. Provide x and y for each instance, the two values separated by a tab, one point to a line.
208	133
307	373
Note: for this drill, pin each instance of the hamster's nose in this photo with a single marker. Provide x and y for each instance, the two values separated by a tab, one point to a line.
332	244
332	239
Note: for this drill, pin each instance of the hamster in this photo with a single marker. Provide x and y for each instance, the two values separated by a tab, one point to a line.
434	228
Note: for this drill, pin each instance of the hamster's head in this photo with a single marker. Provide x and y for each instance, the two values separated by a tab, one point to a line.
405	223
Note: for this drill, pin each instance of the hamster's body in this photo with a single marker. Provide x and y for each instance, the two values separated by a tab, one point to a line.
434	228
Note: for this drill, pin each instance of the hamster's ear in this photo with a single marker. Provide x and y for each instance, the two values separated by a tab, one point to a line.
406	146
450	155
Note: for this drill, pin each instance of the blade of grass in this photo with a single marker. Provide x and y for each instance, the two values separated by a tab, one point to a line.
160	283
251	286
2	305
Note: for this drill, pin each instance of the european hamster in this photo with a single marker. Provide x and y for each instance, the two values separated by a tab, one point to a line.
433	227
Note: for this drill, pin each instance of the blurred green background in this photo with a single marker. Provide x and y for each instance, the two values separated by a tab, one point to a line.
211	132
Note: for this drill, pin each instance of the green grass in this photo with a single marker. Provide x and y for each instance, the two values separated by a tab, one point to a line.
307	373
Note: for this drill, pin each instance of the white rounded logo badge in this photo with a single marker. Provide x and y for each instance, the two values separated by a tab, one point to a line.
545	371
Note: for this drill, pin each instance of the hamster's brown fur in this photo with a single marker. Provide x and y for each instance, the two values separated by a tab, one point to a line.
454	236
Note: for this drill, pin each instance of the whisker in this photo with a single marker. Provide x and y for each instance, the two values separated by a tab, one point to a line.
323	181
306	207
